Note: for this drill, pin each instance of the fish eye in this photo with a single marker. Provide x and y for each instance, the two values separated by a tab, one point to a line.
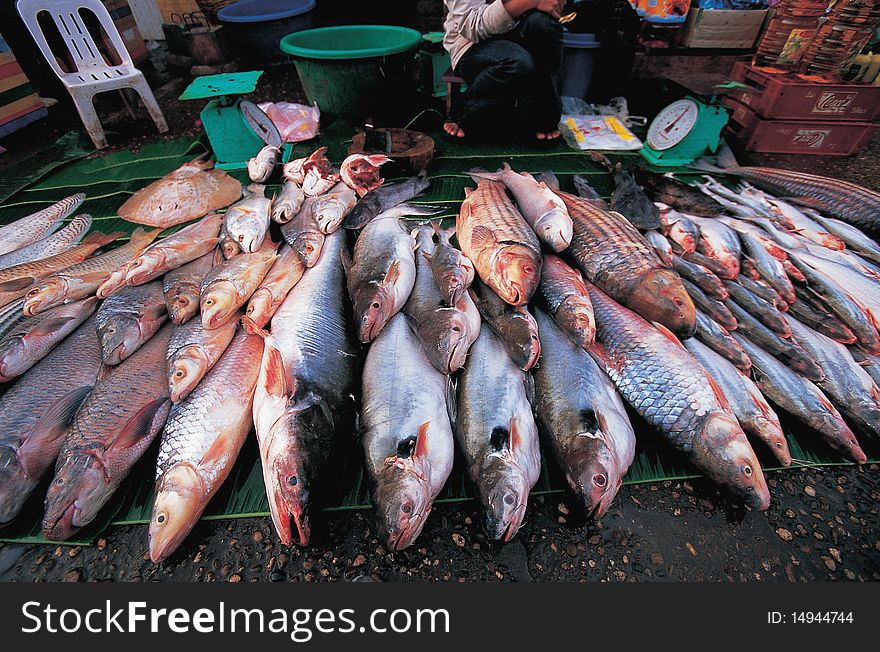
528	269
34	292
209	302
678	301
406	508
456	329
59	481
600	480
178	373
746	469
160	518
375	305
509	499
111	330
292	481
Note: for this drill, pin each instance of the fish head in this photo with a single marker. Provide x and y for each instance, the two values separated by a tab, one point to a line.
453	337
517	270
575	315
555	228
14	356
838	434
260	168
732	462
185	371
180	500
599	479
403	502
308	245
15	485
218	302
119	337
78	491
375	305
229	248
250	235
329	214
504	490
660	296
144	267
44	295
182	305
522	339
259	307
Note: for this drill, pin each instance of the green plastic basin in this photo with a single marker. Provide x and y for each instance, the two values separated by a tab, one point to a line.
353	70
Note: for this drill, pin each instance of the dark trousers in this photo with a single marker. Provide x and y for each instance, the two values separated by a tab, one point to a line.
512	79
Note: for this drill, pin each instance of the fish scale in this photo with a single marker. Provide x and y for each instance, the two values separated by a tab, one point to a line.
34	227
57	243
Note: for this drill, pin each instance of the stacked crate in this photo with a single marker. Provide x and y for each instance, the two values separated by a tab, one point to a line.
787	113
19	103
122	17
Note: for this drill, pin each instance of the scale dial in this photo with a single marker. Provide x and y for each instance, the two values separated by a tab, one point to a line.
673	124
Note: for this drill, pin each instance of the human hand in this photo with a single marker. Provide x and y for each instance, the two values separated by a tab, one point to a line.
552	7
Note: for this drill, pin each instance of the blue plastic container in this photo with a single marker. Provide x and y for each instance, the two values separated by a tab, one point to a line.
577	63
255	27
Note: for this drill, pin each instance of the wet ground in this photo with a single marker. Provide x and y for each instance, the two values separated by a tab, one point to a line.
823	525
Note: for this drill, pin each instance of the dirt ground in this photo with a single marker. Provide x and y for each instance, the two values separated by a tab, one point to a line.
823	523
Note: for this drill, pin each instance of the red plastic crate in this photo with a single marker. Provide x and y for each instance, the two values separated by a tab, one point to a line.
791	97
826	138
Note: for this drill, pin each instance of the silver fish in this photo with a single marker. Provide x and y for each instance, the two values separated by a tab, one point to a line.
287	202
36	226
59	242
261	166
247	221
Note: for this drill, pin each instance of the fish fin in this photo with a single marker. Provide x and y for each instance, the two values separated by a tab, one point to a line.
451	400
149	418
55	422
479	173
482	236
141	236
467	192
716	390
668	333
50	326
253	328
601	158
273	375
515	440
17	284
100	239
428	257
599	353
529	383
421	445
393	273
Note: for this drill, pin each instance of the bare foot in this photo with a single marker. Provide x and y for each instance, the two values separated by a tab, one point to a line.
453	129
550	135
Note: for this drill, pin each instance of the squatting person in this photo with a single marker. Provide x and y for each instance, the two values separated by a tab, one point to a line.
509	53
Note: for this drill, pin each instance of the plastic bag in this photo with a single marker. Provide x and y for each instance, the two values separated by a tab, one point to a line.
295	122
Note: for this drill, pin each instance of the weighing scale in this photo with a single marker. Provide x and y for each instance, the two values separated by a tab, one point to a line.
684	131
236	128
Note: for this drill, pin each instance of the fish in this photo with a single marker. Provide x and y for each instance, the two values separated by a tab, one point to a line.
62	240
165	255
786	350
719	242
314	173
304	234
182	288
846	383
192	351
715	266
36	226
331	208
749	406
822	322
247	221
806	227
496	431
846	307
538	204
768	266
261	166
667	189
586	192
717	310
664	383
870	363
227	286
452	270
303	395
381	274
360	172
16	281
514	325
548	179
504	249
683	232
762	310
584	418
613	255
113	427
446	332
761	289
856	240
36	411
82	279
846	201
718	338
33	339
629	198
405	432
284	274
703	278
802	399
227	247
287	202
566	299
661	246
191	191
11	316
386	196
129	318
200	443
736	201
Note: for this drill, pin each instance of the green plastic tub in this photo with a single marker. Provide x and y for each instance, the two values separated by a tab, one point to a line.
353	71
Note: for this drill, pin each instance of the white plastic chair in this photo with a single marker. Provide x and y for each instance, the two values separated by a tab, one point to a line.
93	75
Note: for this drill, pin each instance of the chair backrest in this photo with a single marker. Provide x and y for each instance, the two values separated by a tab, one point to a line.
77	39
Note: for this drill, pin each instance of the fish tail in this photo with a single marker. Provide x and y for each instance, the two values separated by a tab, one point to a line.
252	328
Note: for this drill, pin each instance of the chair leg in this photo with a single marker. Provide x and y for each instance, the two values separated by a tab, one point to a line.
129	99
85	106
143	89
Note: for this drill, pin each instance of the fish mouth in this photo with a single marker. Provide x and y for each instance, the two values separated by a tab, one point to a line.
404	537
63	527
513	524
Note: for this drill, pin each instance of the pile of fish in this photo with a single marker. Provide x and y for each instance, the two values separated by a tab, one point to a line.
697	306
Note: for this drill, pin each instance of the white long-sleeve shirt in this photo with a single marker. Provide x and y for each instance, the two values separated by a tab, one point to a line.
471	21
